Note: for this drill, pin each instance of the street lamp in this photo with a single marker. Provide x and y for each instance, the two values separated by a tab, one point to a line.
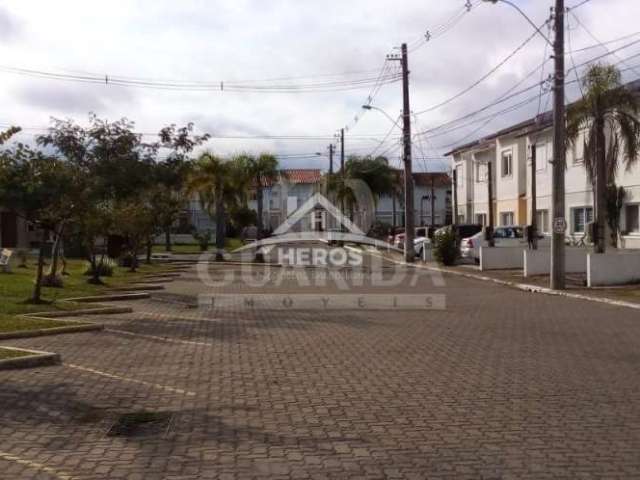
371	107
535	27
557	277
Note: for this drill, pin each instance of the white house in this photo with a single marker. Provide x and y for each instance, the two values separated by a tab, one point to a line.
508	154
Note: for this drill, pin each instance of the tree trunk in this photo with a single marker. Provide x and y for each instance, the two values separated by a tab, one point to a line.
167	239
220	224
259	256
601	189
149	250
37	289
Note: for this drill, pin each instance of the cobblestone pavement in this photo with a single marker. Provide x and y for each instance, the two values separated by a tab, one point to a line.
499	384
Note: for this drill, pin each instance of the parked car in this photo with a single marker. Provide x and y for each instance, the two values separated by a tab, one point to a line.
505	236
421	233
463	230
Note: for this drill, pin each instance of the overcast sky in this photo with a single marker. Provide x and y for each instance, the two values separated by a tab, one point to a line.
243	40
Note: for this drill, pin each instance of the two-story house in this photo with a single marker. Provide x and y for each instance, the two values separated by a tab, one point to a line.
426	186
508	154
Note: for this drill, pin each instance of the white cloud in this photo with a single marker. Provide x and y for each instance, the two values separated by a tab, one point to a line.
255	39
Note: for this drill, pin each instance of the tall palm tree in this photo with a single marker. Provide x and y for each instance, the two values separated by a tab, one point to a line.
262	170
213	182
608	113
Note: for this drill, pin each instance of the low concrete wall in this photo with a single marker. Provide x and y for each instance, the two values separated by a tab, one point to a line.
613	268
177	238
630	241
501	258
538	262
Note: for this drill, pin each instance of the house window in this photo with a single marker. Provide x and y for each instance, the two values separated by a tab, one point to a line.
506	218
481	219
632	213
578	149
459	176
507	163
542	220
581	217
542	156
460	218
481	172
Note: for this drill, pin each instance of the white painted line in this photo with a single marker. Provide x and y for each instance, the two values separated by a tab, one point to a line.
156	337
174	317
131	380
534	288
35	466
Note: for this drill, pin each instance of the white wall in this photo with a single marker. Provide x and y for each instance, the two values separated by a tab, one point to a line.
501	258
538	262
613	269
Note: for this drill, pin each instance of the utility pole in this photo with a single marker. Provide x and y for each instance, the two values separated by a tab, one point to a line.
433	200
559	156
490	199
534	202
342	151
454	220
331	159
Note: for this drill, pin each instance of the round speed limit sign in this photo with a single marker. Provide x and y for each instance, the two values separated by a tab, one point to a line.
559	225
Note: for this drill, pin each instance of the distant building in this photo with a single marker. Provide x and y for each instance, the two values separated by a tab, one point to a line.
15	232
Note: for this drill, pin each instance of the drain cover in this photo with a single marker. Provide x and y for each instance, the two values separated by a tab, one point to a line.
141	424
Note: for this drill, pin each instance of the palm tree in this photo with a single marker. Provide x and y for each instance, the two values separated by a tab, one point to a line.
213	181
608	113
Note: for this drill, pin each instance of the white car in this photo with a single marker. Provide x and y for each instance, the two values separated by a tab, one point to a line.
419	245
506	236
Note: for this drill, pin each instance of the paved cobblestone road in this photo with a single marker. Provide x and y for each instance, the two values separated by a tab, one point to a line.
500	384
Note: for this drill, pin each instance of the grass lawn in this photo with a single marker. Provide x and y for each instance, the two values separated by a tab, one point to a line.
16	287
6	354
9	323
230	244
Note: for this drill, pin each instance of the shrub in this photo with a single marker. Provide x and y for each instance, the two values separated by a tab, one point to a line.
105	269
203	239
445	247
379	230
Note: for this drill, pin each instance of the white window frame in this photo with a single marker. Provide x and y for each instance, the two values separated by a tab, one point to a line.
578	144
626	221
585	220
503	155
503	216
542	220
481	172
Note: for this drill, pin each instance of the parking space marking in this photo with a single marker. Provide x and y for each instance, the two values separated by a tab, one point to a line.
35	466
156	337
173	317
131	380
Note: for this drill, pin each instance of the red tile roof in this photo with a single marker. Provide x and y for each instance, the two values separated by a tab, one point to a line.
298	176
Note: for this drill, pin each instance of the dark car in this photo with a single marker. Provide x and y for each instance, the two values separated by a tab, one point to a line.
463	230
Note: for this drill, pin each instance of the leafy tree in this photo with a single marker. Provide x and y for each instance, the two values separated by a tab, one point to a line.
7	134
134	221
41	189
219	184
608	112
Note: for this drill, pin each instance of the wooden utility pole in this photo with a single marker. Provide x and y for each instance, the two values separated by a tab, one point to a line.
534	202
433	200
342	151
454	220
559	156
331	159
490	200
409	252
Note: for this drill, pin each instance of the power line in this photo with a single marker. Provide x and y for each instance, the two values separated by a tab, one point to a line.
481	79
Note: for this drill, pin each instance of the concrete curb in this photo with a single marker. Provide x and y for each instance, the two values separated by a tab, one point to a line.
534	288
137	288
109	298
43	332
81	312
37	359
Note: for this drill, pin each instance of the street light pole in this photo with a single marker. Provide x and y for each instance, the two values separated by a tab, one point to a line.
559	148
559	156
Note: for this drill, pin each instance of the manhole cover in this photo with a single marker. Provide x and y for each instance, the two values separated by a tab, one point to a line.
141	424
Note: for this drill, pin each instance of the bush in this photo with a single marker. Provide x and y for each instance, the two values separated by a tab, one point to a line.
379	230
203	239
445	247
106	268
